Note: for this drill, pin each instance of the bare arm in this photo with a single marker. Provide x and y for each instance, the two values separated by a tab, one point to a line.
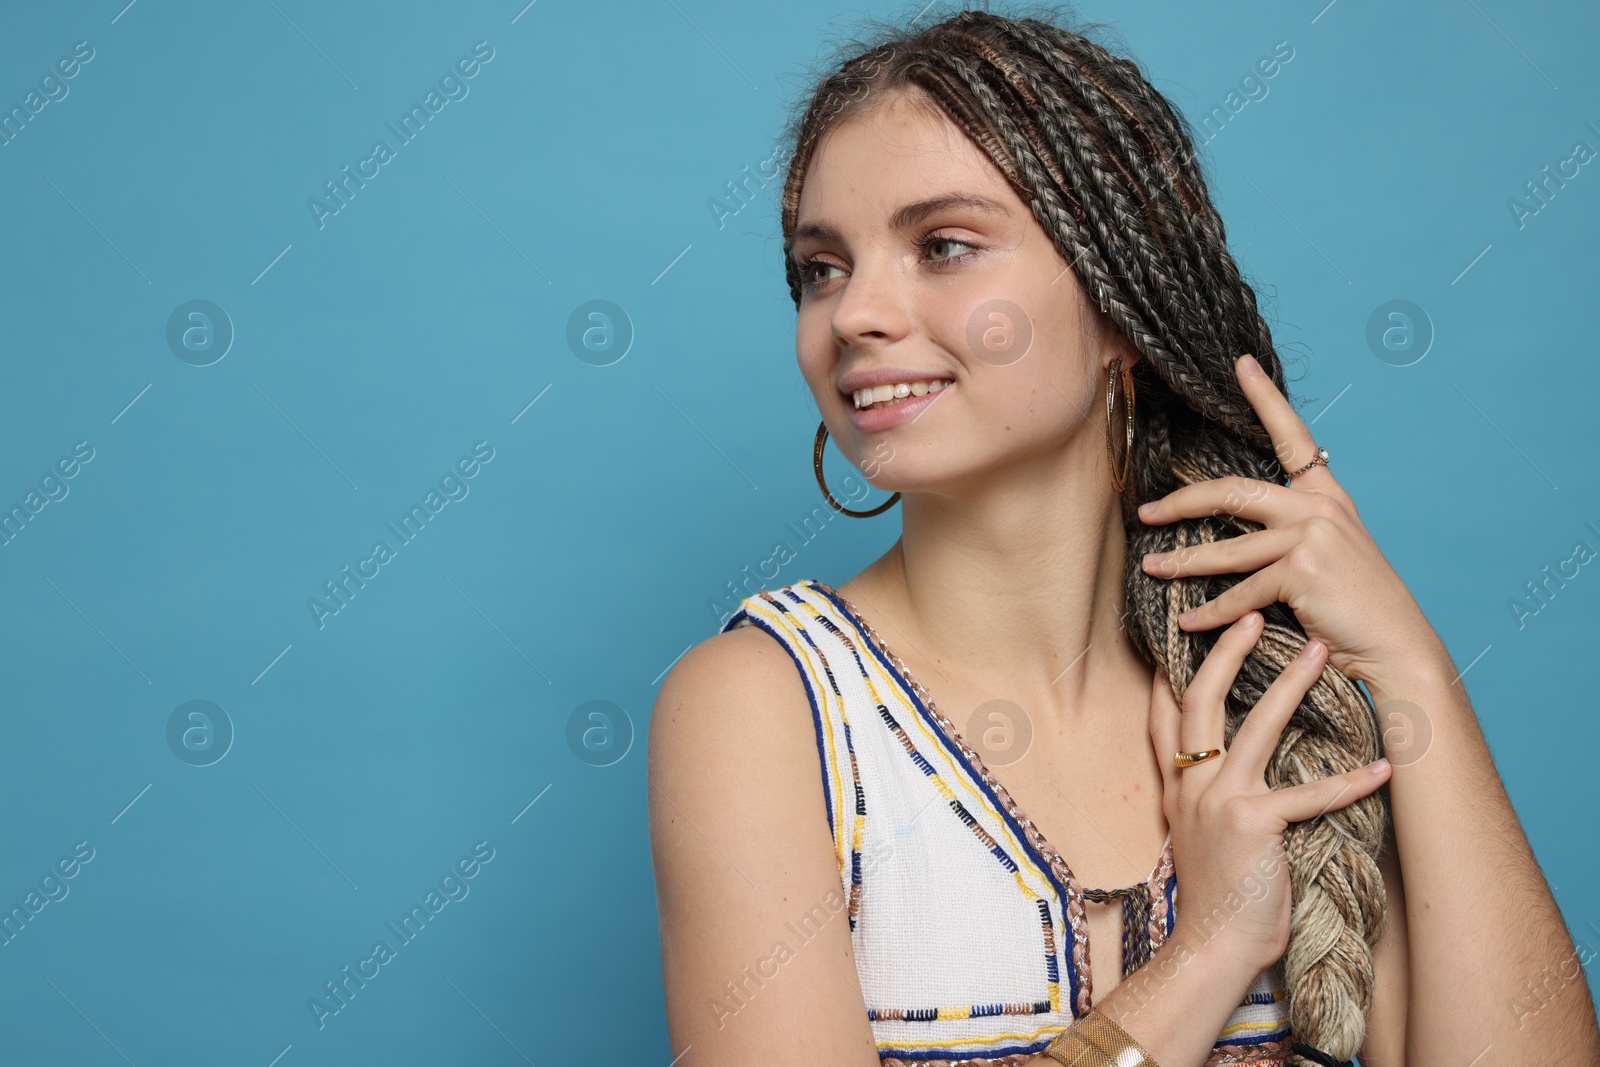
1491	965
755	939
1177	1003
1385	1044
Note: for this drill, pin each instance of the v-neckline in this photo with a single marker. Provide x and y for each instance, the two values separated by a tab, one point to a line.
1160	874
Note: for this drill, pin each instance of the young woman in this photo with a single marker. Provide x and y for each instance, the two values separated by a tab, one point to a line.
1017	310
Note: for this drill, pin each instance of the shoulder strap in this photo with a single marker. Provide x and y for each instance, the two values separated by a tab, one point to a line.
781	613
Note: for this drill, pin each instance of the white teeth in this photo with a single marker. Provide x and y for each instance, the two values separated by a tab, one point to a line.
865	398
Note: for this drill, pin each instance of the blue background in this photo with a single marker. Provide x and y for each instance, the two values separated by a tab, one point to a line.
435	709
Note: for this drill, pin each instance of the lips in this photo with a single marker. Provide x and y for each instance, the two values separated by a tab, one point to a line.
897	412
872	378
884	395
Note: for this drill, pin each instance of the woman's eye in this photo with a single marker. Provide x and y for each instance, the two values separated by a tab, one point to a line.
811	265
936	243
936	249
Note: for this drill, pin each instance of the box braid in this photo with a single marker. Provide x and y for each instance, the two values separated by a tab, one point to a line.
1109	170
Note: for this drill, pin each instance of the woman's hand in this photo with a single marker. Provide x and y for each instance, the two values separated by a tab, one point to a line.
1315	555
1227	825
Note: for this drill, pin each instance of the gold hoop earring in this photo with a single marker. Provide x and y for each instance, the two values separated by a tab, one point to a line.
816	461
1119	480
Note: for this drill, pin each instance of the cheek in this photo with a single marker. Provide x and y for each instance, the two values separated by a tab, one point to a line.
1028	401
1017	398
957	321
815	353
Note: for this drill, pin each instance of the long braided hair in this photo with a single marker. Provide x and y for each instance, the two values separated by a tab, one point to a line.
1109	170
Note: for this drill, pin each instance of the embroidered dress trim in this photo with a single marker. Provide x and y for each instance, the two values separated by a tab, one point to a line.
928	1013
1159	880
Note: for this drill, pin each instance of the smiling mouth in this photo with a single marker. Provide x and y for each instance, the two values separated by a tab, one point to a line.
884	396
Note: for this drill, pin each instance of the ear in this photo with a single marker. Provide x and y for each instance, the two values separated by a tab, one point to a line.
1114	345
1125	351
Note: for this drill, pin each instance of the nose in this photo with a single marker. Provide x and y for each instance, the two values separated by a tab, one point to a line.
874	308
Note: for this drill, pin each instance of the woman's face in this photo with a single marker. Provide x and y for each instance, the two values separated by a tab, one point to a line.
899	288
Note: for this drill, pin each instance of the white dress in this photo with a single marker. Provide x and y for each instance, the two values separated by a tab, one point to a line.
968	927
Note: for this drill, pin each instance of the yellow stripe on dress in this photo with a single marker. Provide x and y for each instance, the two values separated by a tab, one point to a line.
787	623
1016	848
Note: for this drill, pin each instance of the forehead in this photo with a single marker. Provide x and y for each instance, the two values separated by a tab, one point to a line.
896	151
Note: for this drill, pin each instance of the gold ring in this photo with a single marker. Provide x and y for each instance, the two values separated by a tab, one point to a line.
1318	455
1185	760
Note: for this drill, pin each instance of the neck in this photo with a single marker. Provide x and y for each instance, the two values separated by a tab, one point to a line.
1014	584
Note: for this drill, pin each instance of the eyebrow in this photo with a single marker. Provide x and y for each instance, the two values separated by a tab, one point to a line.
910	214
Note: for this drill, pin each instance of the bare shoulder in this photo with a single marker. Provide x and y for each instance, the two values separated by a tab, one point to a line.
726	695
741	848
731	731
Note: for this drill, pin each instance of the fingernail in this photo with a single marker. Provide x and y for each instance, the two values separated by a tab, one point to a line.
1187	616
1152	558
1248	364
1313	646
1378	766
1147	507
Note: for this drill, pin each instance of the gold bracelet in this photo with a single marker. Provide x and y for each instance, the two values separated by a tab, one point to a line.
1096	1041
